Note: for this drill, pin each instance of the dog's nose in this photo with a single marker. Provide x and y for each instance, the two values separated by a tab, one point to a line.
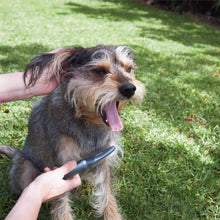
127	90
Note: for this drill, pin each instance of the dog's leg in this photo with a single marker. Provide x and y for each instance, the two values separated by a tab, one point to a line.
22	174
103	199
62	209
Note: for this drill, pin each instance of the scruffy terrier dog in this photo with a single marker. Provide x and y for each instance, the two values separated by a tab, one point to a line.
78	119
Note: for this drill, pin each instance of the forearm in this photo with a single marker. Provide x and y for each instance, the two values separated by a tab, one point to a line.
27	206
12	87
47	186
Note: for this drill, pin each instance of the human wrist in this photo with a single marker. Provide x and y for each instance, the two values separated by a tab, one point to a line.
35	191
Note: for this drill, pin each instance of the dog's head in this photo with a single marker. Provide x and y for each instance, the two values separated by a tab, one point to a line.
99	80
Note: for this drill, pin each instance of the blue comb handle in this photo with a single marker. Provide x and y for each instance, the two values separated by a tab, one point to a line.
85	163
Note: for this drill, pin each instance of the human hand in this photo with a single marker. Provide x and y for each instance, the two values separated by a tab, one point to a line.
47	82
51	184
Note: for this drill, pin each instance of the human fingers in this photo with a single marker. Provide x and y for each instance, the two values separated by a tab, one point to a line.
56	50
47	169
67	167
67	186
75	181
52	185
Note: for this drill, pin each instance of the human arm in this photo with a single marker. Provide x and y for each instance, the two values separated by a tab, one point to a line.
47	186
13	87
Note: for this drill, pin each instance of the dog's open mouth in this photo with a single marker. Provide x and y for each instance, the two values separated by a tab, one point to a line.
110	116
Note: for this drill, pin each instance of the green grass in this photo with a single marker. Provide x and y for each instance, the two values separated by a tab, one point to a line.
171	165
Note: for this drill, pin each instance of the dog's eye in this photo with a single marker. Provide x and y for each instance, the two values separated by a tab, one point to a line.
101	71
128	69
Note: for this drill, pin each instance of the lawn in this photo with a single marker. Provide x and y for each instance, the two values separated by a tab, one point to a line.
171	164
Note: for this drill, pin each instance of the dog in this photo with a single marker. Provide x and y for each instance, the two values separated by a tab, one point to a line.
79	118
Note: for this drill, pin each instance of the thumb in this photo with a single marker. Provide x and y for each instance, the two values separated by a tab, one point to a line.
67	167
73	182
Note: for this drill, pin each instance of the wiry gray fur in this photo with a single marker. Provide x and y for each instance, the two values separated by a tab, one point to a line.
62	126
51	118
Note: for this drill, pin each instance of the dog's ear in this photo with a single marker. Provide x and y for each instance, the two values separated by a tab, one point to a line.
59	64
70	58
35	68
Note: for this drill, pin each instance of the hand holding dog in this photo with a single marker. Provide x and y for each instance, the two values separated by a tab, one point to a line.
46	82
49	185
12	86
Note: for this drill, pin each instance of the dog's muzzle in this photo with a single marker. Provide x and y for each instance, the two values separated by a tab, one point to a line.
127	90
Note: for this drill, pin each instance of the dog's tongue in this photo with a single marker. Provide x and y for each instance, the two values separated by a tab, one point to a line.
113	117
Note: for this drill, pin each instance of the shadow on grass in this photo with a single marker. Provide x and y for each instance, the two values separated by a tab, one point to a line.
172	175
172	26
127	12
15	58
172	101
168	176
189	35
179	92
